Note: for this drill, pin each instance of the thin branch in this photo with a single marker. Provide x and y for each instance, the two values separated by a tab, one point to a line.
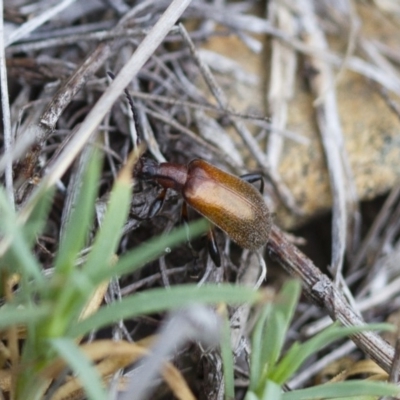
331	136
35	22
5	106
322	291
282	80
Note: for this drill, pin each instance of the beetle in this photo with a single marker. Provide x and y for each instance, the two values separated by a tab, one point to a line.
227	201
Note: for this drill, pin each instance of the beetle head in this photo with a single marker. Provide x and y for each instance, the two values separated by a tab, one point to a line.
146	168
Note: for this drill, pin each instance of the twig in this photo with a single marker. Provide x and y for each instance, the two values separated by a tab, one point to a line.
378	224
34	23
354	64
391	292
322	291
176	125
73	39
342	351
392	104
5	106
257	120
331	135
133	287
60	101
394	373
282	78
72	86
375	56
351	42
214	133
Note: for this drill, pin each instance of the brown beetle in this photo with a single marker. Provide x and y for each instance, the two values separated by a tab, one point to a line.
229	202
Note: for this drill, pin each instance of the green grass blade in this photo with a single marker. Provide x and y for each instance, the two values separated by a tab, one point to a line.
35	223
81	218
251	396
159	300
82	366
17	256
298	353
343	390
11	315
73	295
227	360
272	391
275	331
20	259
256	366
270	332
108	237
366	397
38	218
78	287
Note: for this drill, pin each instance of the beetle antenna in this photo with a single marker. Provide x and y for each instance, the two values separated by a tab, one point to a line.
133	109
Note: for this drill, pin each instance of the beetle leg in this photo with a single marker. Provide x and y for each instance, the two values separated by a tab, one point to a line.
212	243
213	248
157	204
185	222
254	177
